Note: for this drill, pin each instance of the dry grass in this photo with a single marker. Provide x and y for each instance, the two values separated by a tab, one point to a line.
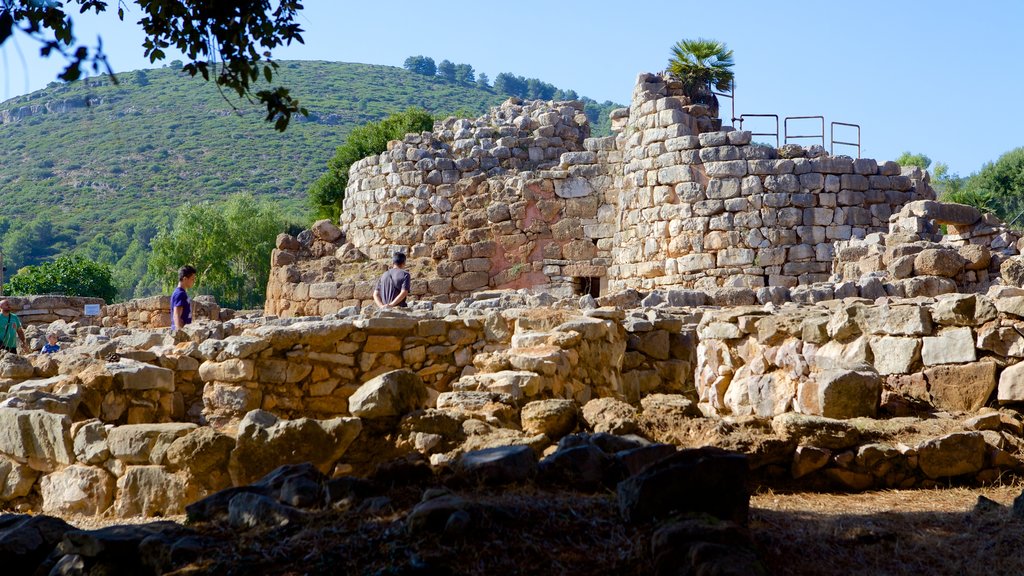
933	532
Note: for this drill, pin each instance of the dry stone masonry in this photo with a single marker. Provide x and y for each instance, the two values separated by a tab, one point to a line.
523	198
582	309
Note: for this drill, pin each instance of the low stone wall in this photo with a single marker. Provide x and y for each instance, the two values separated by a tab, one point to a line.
839	359
46	309
155	312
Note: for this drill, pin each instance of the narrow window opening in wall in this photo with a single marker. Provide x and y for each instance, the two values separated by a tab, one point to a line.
588	285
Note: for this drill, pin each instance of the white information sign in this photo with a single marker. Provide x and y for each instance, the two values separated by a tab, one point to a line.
92	309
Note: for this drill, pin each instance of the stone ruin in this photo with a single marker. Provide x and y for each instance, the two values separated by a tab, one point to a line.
582	308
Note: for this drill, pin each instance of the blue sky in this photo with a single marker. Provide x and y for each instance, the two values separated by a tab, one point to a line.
944	77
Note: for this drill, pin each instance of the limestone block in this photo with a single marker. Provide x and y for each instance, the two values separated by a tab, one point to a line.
895	355
938	262
132	375
1004	341
730	168
838	393
1013	305
674	175
610	415
950	346
963	310
231	370
807	459
325	230
735	257
952	455
153	491
554	418
77	489
573	188
145	443
90	443
975	257
264	442
391	394
1011	384
516	384
38	438
204	454
964	387
16	479
895	320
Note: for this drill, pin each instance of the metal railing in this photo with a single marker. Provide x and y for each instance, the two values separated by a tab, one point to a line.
731	95
832	148
775	134
785	126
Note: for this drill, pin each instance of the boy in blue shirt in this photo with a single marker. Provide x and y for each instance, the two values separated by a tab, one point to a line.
51	345
181	306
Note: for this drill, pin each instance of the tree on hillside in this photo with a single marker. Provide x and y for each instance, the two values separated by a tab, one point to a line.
421	65
446	70
919	160
68	275
702	65
229	38
1003	180
229	244
505	83
464	74
328	192
483	81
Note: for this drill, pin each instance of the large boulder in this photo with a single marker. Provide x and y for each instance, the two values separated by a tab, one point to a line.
938	262
153	491
961	387
610	415
952	455
264	442
25	541
391	394
204	454
77	489
554	418
499	465
701	480
145	443
40	438
840	393
16	479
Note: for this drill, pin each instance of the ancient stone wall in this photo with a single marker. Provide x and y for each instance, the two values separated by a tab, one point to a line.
712	209
47	309
155	312
836	358
522	198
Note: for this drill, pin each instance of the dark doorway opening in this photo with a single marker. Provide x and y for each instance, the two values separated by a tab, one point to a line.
588	285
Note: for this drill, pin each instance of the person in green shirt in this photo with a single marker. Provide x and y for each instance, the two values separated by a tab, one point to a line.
10	329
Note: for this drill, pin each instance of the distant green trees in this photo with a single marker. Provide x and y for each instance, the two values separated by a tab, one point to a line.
228	243
446	70
909	159
328	192
420	65
69	275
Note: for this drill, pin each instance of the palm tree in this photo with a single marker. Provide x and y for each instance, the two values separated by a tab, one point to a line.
702	65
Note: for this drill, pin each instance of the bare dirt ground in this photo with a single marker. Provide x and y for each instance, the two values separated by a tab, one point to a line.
524	531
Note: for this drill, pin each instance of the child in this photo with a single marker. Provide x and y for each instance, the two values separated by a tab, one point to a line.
51	344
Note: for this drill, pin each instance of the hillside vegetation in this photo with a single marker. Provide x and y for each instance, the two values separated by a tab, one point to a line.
98	168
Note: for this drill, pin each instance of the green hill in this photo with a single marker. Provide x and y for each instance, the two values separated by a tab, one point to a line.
97	167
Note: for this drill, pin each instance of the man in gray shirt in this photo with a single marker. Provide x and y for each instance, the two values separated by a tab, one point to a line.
393	286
